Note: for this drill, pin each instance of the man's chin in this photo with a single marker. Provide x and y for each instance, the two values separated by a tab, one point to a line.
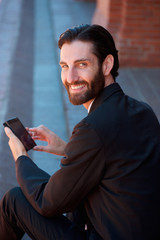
80	99
76	102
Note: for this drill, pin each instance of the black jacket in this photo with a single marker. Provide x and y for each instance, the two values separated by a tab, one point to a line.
112	164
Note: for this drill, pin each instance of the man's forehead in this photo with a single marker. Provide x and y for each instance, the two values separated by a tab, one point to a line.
75	49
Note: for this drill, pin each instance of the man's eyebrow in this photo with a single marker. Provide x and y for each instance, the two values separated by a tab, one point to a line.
83	60
77	61
62	62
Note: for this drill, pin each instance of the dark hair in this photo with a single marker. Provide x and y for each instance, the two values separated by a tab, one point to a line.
102	40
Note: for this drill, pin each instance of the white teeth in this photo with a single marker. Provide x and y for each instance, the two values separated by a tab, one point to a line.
77	86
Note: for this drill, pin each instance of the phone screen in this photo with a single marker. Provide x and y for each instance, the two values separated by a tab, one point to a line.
19	130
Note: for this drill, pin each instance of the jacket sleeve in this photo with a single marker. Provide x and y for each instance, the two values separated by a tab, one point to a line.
81	171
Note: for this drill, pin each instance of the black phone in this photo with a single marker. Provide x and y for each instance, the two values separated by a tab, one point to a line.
19	130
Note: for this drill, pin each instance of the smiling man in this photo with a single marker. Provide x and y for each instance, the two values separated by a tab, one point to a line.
81	74
109	181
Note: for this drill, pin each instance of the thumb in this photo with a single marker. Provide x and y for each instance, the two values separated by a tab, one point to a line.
8	132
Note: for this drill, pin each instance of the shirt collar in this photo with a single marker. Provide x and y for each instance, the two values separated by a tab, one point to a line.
90	105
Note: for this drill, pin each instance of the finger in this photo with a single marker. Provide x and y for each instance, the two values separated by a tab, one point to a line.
38	132
8	132
40	129
35	128
40	148
31	133
27	128
31	130
34	132
37	138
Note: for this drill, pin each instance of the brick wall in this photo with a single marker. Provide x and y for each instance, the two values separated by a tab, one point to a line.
135	25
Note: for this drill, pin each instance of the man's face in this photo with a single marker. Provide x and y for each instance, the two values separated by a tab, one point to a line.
81	74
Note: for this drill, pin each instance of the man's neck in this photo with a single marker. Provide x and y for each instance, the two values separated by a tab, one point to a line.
88	104
109	80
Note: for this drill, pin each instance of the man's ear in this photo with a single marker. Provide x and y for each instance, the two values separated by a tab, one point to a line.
107	65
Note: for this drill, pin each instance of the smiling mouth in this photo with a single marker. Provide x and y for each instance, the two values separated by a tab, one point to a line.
76	87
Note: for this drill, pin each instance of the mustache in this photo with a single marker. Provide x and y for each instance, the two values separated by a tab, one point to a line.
76	83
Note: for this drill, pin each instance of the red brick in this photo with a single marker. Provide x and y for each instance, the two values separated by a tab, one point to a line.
135	25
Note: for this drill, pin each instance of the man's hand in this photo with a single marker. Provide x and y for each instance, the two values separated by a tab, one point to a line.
15	144
55	144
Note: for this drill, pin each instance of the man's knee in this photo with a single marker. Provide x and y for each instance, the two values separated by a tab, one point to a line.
8	220
8	201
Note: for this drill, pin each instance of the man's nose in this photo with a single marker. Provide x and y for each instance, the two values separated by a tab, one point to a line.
72	75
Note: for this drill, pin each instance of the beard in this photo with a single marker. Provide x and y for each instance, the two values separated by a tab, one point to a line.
93	89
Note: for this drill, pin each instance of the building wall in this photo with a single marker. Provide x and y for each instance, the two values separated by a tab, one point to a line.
135	26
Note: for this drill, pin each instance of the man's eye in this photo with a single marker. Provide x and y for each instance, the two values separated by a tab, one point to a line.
82	64
64	66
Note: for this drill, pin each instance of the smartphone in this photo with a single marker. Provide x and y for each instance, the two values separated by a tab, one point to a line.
19	130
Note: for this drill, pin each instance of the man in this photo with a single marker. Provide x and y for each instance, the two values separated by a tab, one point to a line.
109	180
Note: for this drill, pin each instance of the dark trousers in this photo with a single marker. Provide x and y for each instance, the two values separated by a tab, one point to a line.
18	217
